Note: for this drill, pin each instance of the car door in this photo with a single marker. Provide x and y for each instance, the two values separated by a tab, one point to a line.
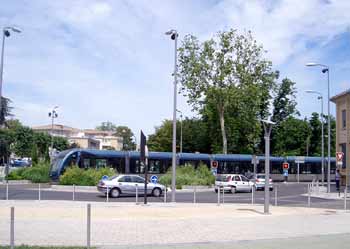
140	184
245	183
237	182
126	186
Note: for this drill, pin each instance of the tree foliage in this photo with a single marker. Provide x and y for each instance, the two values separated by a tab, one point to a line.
226	73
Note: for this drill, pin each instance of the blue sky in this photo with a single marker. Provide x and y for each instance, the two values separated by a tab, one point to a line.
102	60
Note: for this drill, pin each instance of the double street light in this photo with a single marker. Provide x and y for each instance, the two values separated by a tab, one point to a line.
320	97
268	124
174	35
325	69
6	32
52	114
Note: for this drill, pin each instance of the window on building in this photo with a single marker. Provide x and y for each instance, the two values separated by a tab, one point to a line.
343	149
343	118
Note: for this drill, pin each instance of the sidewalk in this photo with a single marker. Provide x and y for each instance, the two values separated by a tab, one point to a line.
127	224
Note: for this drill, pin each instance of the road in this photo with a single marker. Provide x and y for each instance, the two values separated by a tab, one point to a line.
288	195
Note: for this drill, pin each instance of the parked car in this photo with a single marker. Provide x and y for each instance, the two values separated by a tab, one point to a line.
233	183
259	181
126	184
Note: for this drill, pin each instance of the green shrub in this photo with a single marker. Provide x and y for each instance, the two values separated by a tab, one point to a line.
83	177
188	175
38	173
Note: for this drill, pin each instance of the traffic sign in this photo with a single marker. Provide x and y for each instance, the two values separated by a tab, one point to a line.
300	159
285	165
255	160
339	156
214	164
154	179
285	173
104	177
214	172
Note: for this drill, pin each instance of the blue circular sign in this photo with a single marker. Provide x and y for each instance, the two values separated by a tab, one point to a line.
154	179
104	177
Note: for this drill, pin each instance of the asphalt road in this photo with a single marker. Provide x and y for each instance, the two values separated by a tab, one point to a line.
287	195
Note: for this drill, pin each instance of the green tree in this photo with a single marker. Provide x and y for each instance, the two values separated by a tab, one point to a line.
194	137
221	70
291	137
24	141
5	110
127	135
316	133
60	143
106	126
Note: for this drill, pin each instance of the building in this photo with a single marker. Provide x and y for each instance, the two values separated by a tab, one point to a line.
84	138
342	101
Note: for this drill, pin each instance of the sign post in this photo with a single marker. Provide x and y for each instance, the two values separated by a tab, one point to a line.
255	162
285	166
339	158
214	167
298	160
143	160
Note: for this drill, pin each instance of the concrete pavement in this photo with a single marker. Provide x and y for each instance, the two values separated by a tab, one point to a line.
127	224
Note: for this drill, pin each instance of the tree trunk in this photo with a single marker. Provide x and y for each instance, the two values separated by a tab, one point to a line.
223	132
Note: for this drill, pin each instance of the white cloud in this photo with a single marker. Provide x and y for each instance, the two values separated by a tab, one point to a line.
110	60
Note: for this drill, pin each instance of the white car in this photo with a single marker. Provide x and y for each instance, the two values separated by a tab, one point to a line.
233	183
127	184
259	181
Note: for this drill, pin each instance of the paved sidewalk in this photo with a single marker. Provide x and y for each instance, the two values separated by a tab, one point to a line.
127	224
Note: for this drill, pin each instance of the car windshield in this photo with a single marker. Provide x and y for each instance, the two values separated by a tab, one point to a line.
222	178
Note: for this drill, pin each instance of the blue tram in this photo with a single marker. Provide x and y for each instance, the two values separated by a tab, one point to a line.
159	162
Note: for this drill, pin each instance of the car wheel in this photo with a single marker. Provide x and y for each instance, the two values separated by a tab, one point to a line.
156	192
115	193
233	190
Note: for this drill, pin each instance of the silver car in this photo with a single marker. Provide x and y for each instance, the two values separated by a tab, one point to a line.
127	184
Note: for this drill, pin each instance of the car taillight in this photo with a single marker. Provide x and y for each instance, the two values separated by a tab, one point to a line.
270	180
257	180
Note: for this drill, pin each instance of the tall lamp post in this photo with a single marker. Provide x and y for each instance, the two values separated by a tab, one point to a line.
180	130
325	69
52	114
174	35
320	97
6	32
267	128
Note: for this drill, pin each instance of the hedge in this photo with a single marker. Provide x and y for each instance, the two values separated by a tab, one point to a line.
84	177
188	175
38	173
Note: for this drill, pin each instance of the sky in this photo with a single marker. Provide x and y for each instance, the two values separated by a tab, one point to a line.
101	60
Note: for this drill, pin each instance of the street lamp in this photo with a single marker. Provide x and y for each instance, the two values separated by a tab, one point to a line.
320	97
180	130
267	128
325	69
6	32
52	114
174	35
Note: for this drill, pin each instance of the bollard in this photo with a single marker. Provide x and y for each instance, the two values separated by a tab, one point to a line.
107	194
39	193
165	192
7	191
309	195
73	192
276	195
345	198
194	194
137	195
218	196
12	228
253	190
88	226
223	195
317	187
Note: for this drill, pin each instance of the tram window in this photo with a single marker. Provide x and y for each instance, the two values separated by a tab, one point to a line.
101	163
86	163
154	166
